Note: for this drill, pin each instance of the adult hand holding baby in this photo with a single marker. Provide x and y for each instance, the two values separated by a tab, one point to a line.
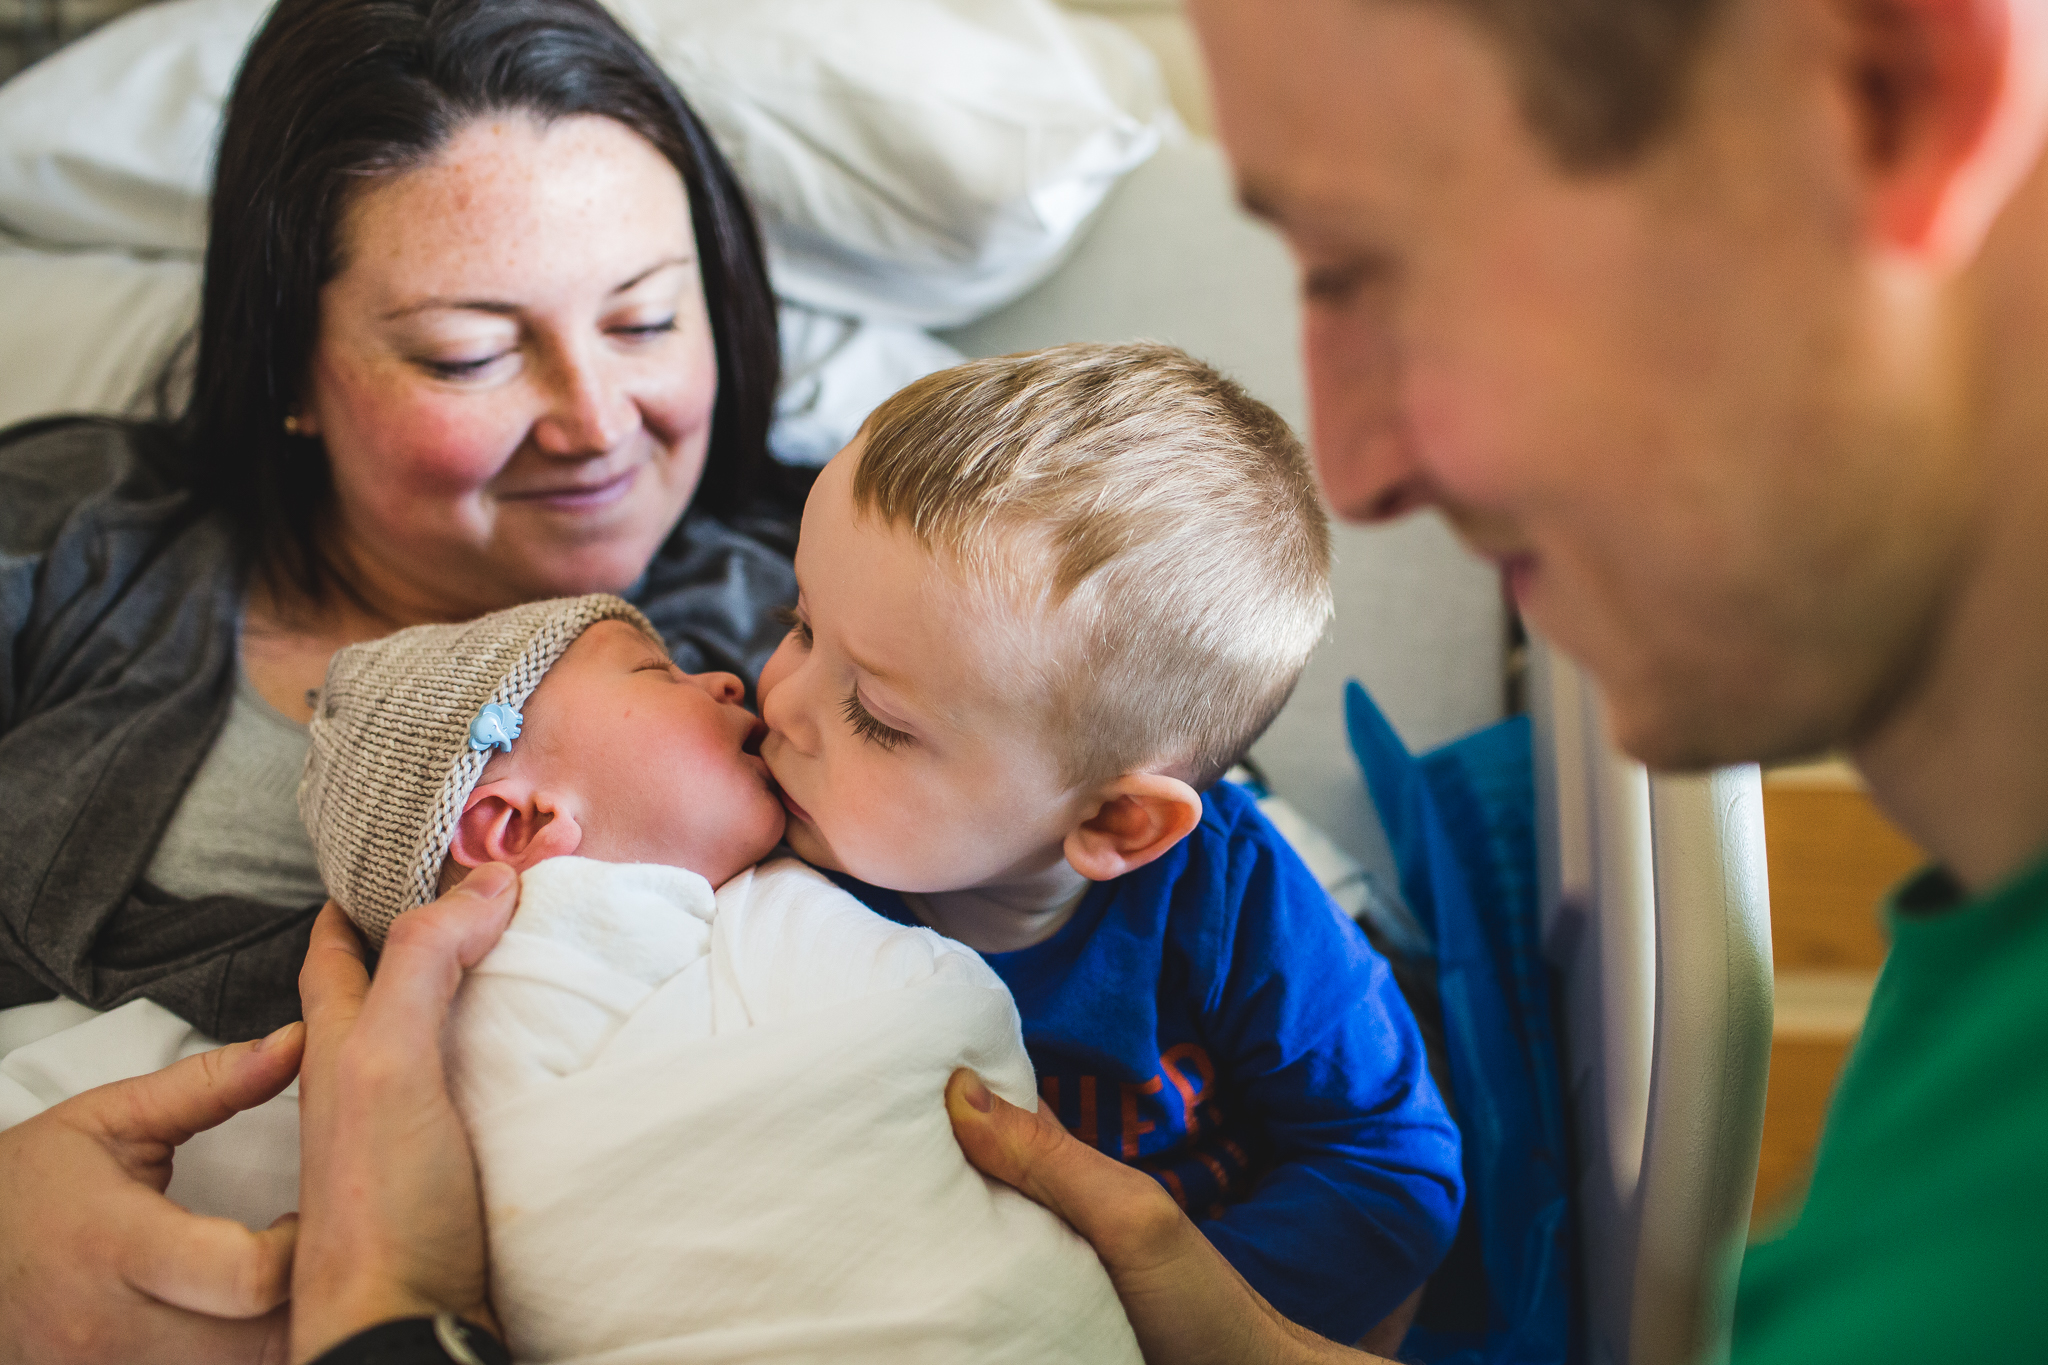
173	1286
382	1239
378	1239
1185	1301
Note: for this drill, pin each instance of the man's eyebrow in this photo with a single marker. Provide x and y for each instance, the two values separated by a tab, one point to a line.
1258	200
499	308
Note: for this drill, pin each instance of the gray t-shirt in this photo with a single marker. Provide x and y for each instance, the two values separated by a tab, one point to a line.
236	831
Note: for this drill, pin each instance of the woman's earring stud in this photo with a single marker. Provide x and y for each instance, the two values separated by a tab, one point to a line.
291	424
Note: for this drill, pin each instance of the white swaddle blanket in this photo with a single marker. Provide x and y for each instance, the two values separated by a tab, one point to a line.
712	1128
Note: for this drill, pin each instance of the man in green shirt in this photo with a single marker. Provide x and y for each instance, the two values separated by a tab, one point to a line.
1722	327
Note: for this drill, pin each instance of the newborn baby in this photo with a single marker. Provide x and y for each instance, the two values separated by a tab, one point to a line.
708	1122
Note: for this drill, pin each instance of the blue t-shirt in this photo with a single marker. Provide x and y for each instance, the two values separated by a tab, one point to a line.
1214	1020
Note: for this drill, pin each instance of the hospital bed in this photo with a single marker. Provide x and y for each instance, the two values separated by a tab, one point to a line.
1654	906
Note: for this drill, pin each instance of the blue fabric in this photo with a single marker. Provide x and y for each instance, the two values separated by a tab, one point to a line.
1461	824
1214	1020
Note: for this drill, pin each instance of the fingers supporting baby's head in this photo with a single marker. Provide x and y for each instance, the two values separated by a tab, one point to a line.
403	730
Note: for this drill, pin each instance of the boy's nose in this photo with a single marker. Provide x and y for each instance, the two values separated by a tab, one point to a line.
782	715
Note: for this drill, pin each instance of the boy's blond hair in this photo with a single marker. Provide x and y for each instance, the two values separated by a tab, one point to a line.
1164	521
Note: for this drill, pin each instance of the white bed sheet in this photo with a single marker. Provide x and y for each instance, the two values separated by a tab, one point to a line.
246	1169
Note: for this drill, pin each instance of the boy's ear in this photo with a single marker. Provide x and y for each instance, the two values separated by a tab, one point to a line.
1137	817
510	822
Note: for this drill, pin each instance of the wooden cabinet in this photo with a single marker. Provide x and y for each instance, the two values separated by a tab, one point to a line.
1833	857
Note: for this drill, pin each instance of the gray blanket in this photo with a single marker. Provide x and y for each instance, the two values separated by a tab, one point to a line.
120	596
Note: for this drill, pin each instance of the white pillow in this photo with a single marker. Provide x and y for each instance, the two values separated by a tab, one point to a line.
109	141
88	331
919	160
924	161
835	369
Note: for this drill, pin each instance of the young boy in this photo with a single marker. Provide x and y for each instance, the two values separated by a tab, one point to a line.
708	1124
1045	602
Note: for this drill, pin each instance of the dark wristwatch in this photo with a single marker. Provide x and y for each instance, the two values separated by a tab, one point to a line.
440	1340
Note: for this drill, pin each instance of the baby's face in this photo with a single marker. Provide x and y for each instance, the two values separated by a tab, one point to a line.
656	765
896	726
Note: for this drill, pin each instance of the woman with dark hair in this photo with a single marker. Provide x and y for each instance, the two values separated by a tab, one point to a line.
485	319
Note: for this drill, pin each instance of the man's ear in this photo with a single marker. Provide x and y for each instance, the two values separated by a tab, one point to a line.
1135	818
510	822
1951	105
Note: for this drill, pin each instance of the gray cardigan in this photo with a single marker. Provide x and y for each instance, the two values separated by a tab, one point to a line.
120	595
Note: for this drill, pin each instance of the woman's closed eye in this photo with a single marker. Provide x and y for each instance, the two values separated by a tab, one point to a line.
646	331
866	726
460	369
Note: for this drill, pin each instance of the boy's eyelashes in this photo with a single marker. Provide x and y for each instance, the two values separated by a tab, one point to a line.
795	624
857	715
866	726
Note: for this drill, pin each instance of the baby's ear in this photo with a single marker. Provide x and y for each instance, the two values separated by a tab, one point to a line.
1136	818
509	822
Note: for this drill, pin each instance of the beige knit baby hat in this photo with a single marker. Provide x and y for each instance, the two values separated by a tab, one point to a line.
392	758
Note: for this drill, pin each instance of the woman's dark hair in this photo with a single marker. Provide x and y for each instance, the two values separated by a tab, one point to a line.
334	91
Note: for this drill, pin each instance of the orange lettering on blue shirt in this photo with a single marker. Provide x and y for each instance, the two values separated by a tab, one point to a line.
1133	1126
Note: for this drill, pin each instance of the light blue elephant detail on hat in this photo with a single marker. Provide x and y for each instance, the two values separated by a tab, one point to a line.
495	727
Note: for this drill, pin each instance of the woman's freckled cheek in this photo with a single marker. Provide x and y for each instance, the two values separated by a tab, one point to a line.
452	466
442	449
421	441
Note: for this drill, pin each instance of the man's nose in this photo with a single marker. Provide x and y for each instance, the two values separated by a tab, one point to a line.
1365	453
588	410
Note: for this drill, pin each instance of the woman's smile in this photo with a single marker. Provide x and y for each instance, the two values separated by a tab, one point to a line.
584	496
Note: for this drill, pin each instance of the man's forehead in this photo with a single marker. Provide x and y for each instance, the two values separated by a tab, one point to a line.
1343	104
